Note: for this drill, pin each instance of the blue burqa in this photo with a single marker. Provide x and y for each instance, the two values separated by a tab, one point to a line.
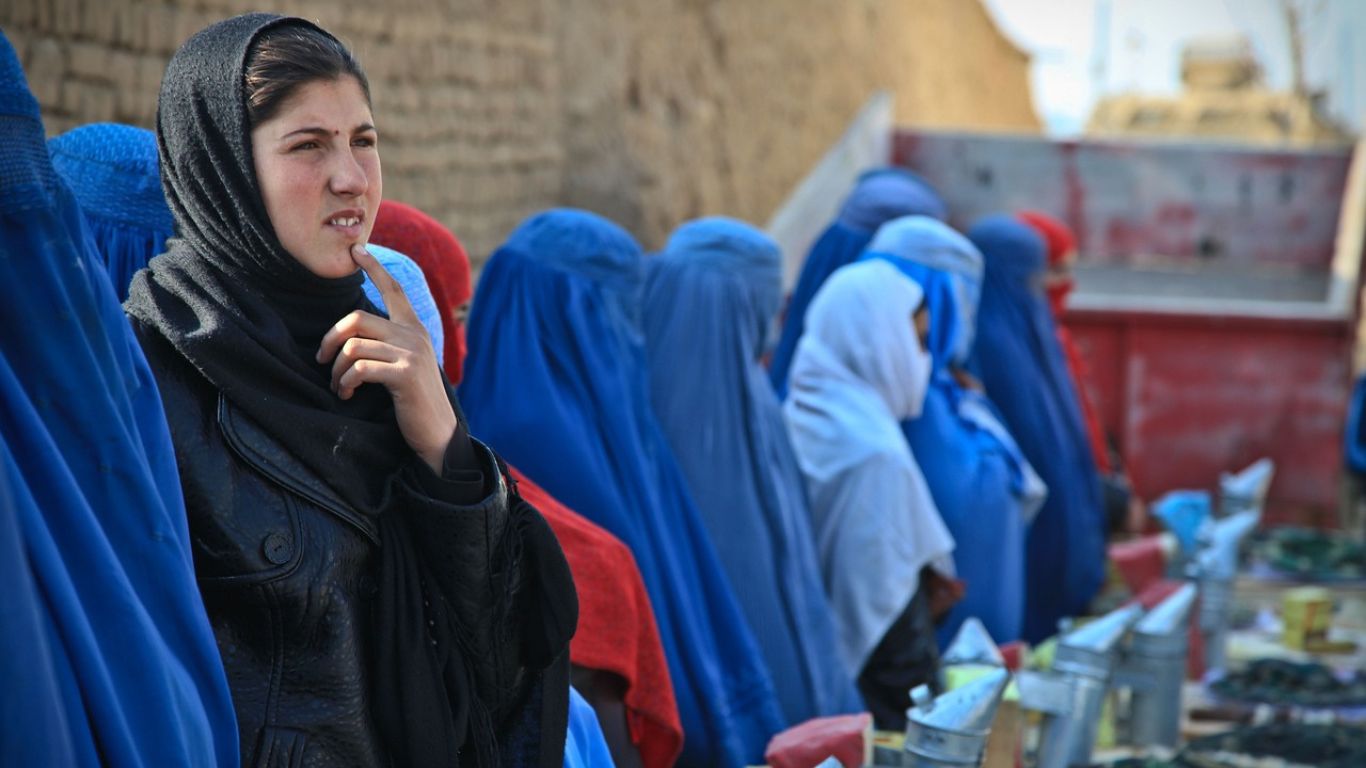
985	489
1020	361
112	169
879	196
105	649
1354	436
709	300
556	382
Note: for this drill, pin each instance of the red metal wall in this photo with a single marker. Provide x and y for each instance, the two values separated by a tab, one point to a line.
1135	203
1188	396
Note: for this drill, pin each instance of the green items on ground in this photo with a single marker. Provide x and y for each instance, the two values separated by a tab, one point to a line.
1320	746
1287	683
1313	555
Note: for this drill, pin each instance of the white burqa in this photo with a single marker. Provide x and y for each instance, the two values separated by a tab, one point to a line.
860	370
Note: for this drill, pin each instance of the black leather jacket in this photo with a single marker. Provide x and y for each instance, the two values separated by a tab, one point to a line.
288	574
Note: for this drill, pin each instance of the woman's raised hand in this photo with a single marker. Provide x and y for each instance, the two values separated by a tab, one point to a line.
397	352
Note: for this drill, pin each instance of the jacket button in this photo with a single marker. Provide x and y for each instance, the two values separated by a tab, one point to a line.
276	549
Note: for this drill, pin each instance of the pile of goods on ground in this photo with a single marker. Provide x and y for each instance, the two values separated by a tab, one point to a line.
1287	683
1280	745
1312	555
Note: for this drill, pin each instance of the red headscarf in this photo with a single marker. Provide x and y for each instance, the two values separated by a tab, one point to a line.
1061	242
443	262
617	631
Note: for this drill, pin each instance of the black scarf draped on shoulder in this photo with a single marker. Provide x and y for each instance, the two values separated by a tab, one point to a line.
249	318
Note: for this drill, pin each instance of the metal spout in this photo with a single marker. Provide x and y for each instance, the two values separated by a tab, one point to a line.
1103	634
969	709
1169	617
1246	490
1218	559
972	645
1091	650
951	731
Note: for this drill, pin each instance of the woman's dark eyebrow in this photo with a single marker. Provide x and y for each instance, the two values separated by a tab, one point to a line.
314	130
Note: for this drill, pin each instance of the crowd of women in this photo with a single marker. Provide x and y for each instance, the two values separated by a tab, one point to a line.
281	489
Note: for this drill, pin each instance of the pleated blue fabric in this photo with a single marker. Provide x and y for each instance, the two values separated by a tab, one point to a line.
105	647
985	489
113	171
556	382
1020	361
710	297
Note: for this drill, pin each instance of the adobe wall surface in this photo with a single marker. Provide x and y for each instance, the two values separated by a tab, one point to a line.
649	111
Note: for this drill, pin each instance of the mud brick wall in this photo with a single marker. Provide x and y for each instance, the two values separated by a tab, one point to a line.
649	111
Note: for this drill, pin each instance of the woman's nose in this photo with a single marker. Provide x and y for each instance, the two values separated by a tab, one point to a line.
348	176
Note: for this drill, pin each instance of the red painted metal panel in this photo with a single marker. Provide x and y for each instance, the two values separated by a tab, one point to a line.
1188	397
1187	393
1146	203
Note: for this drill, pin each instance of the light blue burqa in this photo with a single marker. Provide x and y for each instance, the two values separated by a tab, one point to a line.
709	300
985	489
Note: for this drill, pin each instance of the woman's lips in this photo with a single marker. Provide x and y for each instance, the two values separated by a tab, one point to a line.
348	224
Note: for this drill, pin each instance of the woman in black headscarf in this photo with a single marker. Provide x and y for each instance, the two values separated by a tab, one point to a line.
379	592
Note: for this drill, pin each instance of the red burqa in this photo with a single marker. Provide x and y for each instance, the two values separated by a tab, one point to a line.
1061	246
617	631
443	262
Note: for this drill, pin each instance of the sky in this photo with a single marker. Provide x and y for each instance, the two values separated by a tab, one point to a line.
1141	41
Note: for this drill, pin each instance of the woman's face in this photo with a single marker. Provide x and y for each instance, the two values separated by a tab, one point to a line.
1059	274
921	321
317	163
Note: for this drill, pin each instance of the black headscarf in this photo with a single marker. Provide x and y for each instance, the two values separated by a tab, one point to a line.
232	300
249	317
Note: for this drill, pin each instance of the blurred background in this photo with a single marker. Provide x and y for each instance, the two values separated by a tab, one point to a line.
1117	54
656	111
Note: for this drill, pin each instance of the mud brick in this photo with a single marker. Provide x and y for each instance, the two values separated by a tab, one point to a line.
97	20
136	104
132	24
97	102
163	29
66	17
151	68
70	102
122	69
88	61
44	15
21	44
46	70
17	14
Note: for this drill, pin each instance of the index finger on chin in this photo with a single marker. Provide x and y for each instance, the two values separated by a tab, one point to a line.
395	300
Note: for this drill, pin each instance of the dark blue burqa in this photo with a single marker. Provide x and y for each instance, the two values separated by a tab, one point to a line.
556	382
112	169
975	471
105	650
879	196
1021	363
1354	436
709	300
